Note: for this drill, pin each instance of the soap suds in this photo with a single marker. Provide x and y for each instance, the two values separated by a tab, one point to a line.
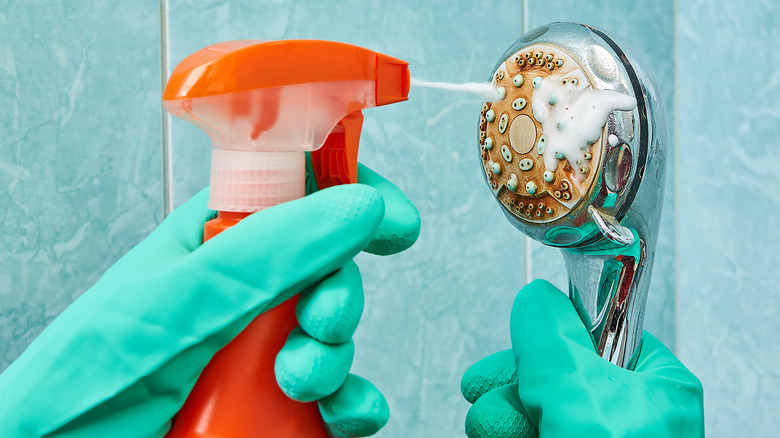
572	115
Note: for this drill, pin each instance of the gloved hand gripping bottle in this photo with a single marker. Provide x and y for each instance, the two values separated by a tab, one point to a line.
264	104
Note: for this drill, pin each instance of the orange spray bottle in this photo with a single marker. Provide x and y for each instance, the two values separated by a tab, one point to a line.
264	104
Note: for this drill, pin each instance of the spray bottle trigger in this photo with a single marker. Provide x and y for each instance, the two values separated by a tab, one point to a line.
336	161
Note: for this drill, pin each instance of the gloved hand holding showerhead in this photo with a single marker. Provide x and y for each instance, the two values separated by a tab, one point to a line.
574	154
551	383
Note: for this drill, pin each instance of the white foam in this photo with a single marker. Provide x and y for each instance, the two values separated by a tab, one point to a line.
488	92
575	118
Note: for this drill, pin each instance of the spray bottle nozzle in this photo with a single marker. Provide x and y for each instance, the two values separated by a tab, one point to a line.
287	97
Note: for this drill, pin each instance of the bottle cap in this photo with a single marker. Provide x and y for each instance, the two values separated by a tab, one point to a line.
250	181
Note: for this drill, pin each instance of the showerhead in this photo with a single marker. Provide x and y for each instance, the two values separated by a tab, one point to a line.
574	154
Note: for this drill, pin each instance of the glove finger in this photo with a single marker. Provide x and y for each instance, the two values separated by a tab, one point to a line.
559	372
275	253
330	312
400	226
491	372
309	370
545	327
356	409
499	414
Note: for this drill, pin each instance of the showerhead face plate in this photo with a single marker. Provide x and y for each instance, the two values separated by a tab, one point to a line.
565	148
536	170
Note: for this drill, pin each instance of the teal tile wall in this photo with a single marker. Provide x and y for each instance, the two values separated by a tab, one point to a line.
647	26
80	180
728	203
79	151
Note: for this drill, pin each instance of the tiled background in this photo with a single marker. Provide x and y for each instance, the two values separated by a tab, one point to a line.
80	178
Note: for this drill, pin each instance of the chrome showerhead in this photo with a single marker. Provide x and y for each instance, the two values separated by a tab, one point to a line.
574	154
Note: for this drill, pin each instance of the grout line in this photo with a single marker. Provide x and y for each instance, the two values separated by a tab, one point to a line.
675	177
167	163
525	17
527	241
528	262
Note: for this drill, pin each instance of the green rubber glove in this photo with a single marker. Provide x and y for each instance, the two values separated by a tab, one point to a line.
328	316
553	383
122	358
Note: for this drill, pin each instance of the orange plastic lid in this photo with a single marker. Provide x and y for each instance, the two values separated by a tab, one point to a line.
244	65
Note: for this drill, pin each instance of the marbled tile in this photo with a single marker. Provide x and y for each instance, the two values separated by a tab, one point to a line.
434	310
79	151
728	124
647	26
